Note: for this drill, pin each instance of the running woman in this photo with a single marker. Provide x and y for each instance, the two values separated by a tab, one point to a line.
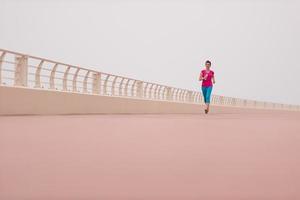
207	77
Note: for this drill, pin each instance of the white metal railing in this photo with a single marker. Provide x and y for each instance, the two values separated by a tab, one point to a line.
17	69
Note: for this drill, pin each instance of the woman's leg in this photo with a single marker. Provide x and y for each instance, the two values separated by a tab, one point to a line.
208	94
204	92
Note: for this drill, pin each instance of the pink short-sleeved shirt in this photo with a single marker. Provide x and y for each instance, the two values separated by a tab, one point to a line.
208	81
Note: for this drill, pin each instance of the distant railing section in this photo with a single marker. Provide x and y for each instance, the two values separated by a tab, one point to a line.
18	69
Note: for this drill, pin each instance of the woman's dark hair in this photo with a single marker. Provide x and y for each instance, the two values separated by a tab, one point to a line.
208	62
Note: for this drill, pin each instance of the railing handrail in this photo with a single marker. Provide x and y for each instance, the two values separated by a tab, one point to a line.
76	66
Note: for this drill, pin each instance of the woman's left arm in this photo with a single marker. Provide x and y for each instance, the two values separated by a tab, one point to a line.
213	79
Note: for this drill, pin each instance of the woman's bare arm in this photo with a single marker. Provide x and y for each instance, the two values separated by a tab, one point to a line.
213	79
201	77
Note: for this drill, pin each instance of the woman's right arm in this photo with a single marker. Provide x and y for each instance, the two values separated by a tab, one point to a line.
200	77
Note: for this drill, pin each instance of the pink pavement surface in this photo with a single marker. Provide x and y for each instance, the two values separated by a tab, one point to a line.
220	156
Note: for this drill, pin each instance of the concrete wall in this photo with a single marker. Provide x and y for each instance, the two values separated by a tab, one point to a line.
19	100
25	101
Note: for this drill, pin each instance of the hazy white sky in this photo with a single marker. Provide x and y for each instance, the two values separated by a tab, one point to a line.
254	45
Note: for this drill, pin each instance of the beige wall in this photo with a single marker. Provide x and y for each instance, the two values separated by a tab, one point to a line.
18	100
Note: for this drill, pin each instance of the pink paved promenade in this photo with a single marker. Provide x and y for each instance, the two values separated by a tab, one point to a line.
229	156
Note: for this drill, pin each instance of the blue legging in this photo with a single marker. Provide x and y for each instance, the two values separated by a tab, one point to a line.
206	91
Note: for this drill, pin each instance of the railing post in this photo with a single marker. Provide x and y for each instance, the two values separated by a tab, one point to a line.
21	71
1	61
157	89
65	79
164	96
200	97
38	75
245	103
85	82
132	87
169	94
145	90
121	86
155	95
96	83
175	94
151	91
180	98
126	87
213	99
105	84
180	95
74	82
218	100
185	95
113	86
221	100
139	89
158	93
52	77
190	93
194	96
197	97
234	102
